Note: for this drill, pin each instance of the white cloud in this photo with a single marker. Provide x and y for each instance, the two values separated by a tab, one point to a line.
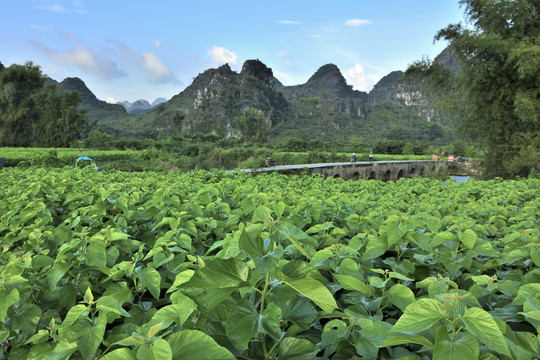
58	8
285	79
357	77
111	100
84	58
153	66
156	70
289	22
357	22
283	56
222	55
159	44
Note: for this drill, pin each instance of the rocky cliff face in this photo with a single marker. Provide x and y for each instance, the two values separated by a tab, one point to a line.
324	106
327	82
217	96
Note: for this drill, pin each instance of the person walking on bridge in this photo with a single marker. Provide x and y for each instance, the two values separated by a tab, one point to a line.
353	158
370	156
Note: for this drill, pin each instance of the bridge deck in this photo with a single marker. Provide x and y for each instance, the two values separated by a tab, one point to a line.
329	165
383	170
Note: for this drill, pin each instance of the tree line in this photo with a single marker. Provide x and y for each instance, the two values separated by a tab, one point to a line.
32	114
495	95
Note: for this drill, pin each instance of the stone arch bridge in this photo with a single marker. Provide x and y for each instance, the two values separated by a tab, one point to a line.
379	170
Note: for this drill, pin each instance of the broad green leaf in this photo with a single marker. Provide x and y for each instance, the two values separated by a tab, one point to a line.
434	224
73	314
419	316
333	332
375	247
115	235
400	296
395	340
296	236
119	291
442	238
26	318
242	324
465	347
154	329
196	345
219	274
315	291
270	261
393	231
184	305
269	321
319	228
247	205
62	350
516	255
6	301
252	243
40	261
296	309
262	214
371	337
151	279
57	272
181	278
92	337
366	348
291	348
521	341
96	254
119	354
353	284
131	340
468	238
161	350
396	275
484	279
145	353
207	298
41	336
279	208
480	323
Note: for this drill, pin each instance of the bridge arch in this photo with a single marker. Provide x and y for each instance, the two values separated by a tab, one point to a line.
400	174
373	176
387	176
413	172
356	176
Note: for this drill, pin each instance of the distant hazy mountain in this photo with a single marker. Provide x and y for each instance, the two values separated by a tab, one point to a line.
141	106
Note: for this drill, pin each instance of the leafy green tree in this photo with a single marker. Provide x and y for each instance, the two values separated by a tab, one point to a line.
59	122
18	84
253	125
31	115
496	93
98	139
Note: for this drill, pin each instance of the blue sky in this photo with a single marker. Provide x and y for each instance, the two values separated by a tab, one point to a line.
130	50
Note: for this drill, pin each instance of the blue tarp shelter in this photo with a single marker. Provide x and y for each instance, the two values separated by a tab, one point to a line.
86	158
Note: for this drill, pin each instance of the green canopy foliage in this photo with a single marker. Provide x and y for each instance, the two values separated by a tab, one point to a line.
495	95
31	115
